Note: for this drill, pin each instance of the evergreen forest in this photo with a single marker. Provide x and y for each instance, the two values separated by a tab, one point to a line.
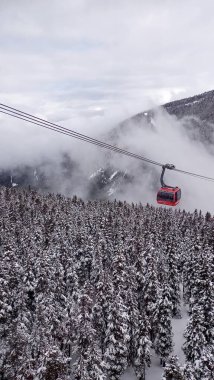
90	288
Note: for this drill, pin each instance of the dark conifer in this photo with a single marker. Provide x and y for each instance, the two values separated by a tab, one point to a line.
117	339
163	342
142	347
195	339
173	370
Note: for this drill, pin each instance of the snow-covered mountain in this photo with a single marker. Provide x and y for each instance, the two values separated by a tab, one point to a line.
199	109
105	181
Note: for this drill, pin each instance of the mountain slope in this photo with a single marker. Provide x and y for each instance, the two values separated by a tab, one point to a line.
201	106
198	109
196	112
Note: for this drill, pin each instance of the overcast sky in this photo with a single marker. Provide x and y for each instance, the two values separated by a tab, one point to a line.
87	58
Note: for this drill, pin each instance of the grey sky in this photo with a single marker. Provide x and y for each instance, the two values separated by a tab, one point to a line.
81	58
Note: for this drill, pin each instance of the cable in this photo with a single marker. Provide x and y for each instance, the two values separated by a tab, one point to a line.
38	121
194	175
103	145
57	128
115	149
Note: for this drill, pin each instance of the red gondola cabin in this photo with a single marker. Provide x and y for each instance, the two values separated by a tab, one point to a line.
169	196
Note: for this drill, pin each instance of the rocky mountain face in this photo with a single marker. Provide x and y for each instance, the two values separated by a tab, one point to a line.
200	106
46	177
105	182
198	109
101	184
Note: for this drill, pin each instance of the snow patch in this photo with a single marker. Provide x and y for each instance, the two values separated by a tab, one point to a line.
152	122
111	191
113	175
96	173
190	103
36	175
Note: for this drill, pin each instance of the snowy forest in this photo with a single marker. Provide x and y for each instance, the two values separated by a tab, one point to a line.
90	288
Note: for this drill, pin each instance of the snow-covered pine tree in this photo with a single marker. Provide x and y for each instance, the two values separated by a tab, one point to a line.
83	257
133	313
163	341
54	365
117	339
89	364
101	306
189	372
188	275
173	370
204	367
143	344
120	277
151	289
203	291
195	339
172	263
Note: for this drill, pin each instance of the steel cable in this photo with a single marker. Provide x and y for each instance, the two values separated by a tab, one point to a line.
57	128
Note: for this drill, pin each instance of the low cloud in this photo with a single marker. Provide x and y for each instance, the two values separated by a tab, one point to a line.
168	140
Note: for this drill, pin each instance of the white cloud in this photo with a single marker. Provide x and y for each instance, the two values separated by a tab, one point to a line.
104	53
167	142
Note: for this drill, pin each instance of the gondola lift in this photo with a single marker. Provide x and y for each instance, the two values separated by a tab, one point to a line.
168	195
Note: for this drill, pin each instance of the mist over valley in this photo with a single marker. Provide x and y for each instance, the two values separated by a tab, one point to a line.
180	132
